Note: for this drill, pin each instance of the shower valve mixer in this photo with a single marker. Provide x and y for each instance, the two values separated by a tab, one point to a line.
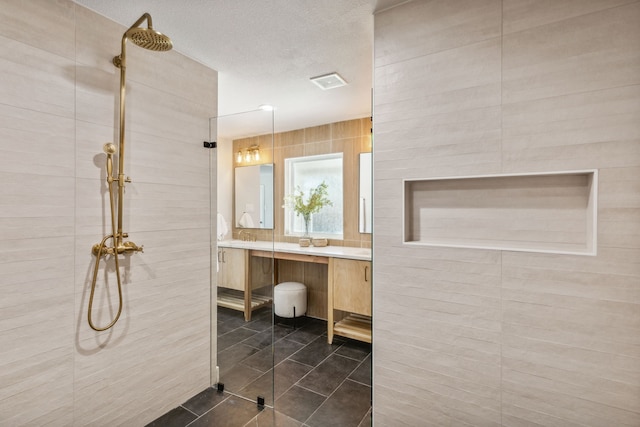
125	247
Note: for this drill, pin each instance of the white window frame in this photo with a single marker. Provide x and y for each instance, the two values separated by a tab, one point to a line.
294	224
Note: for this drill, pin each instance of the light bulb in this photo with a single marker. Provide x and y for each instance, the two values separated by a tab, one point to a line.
247	156
256	155
239	157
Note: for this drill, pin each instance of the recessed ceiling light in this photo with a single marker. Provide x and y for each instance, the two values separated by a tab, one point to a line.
329	81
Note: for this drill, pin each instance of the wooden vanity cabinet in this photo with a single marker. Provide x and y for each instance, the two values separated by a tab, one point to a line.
238	276
349	290
232	267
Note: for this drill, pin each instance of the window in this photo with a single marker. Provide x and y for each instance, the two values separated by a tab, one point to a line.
306	173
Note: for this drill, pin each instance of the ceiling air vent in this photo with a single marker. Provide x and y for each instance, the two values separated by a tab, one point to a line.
329	81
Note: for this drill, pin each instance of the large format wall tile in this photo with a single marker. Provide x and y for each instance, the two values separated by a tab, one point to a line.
573	131
618	225
587	53
30	23
438	329
59	106
519	15
37	216
489	337
473	65
35	79
451	24
437	111
44	149
571	327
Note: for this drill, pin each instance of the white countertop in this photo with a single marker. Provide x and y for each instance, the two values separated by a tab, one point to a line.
362	254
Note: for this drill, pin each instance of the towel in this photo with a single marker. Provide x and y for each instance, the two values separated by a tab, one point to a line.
222	228
246	221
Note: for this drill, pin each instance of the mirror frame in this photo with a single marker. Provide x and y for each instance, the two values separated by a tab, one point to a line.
365	193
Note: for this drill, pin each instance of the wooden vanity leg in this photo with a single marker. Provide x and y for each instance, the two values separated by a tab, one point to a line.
247	286
330	302
247	305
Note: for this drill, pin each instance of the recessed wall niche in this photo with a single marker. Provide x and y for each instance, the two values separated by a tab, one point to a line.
551	212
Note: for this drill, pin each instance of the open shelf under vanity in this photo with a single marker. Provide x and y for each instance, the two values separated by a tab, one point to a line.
234	299
355	326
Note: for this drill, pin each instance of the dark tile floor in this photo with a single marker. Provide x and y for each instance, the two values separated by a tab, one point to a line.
313	383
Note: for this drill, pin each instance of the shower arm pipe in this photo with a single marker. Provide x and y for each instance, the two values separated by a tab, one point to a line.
121	177
121	62
121	145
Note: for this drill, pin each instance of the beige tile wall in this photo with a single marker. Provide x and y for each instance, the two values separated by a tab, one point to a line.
58	106
490	338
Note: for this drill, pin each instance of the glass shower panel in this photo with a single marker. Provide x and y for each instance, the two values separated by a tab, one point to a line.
242	256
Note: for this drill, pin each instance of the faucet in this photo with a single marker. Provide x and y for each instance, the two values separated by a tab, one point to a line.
246	236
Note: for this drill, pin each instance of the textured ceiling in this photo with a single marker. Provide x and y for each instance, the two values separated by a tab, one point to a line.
266	51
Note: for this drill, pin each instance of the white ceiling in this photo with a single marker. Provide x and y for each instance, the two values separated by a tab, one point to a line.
266	51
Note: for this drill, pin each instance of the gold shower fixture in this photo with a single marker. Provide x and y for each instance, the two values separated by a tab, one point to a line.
150	39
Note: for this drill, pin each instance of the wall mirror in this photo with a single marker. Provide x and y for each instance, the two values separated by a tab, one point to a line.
254	196
364	206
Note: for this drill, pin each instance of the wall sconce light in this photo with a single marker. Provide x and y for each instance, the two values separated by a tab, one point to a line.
250	154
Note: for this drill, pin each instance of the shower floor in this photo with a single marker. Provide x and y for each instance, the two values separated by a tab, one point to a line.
315	383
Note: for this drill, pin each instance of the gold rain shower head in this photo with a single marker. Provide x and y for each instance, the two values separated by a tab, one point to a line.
149	38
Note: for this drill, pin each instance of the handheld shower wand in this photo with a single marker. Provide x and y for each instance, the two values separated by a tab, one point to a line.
150	39
99	248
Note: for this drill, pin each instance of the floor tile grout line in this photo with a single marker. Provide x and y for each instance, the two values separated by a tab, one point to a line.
304	346
358	367
312	391
353	358
253	347
334	352
317	364
320	363
189	410
333	392
301	363
358	382
295	361
304	364
210	409
364	417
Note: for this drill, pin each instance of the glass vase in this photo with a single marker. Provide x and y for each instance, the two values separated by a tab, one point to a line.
306	228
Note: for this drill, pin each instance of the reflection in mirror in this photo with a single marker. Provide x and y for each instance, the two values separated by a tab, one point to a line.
254	196
306	173
365	193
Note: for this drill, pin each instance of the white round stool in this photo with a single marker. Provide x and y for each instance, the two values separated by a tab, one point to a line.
290	299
